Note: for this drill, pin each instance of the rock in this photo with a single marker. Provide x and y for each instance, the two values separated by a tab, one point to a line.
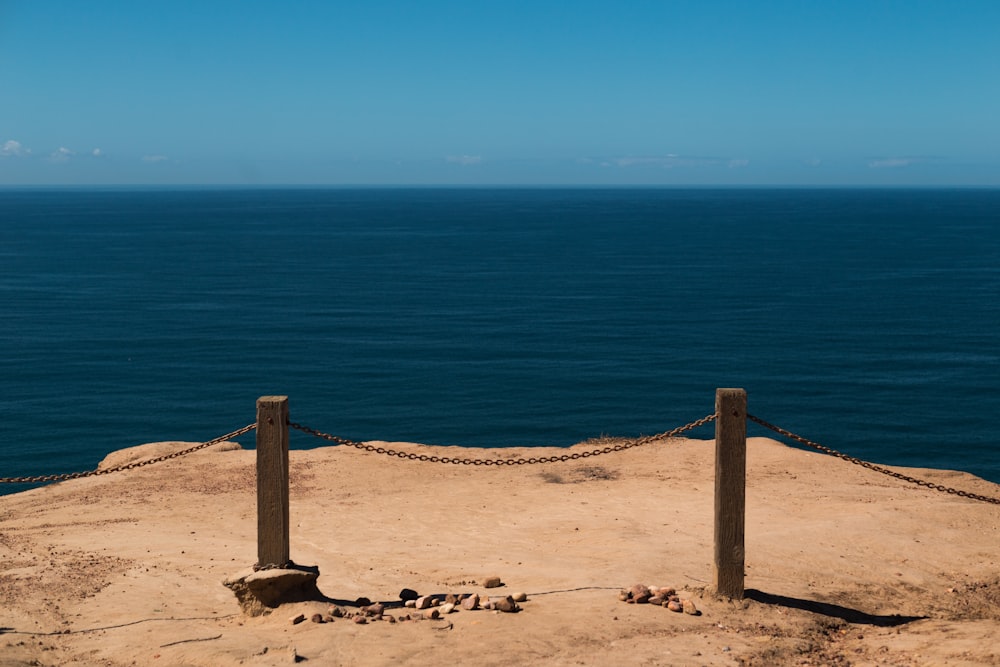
328	619
317	618
362	602
623	595
492	582
674	605
374	609
639	593
336	612
295	620
425	602
667	591
259	592
520	597
689	608
412	604
447	608
408	594
656	601
507	605
432	614
471	603
390	618
360	620
451	598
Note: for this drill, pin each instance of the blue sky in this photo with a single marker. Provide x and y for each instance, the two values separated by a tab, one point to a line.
495	93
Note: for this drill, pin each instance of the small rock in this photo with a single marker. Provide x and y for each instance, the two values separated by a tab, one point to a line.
390	618
492	582
408	594
362	602
317	618
328	619
667	591
471	603
623	595
451	598
689	608
297	619
432	614
336	612
374	609
656	601
640	593
294	655
520	597
425	602
674	605
489	605
412	604
447	608
360	620
507	605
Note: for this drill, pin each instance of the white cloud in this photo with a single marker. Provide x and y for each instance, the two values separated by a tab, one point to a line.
668	161
63	154
464	159
96	152
737	163
899	162
13	148
154	158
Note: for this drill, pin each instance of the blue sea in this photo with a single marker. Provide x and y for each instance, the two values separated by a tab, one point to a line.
866	320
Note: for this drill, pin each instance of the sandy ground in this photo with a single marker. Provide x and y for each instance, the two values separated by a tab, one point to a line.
844	566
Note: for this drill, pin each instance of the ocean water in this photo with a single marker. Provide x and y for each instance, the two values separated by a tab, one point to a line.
867	320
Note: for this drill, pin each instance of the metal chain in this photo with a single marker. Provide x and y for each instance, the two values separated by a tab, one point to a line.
129	466
510	462
872	466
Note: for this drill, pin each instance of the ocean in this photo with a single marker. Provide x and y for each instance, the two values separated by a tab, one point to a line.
866	320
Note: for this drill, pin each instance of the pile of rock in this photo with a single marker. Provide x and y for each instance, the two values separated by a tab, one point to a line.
424	607
664	596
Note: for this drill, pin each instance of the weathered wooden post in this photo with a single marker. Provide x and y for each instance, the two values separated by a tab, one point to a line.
730	490
272	481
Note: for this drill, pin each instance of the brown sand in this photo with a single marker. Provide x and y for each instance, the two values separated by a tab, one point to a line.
844	565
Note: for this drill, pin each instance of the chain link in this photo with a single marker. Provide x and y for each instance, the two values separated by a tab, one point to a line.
872	466
129	466
510	462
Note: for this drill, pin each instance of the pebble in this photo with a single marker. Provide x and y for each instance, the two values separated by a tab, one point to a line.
471	603
336	612
689	608
317	618
408	594
412	604
520	597
360	620
297	619
492	582
362	602
675	605
451	598
432	614
424	602
374	609
447	608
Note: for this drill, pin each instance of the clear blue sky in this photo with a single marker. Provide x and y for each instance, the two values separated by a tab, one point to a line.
850	92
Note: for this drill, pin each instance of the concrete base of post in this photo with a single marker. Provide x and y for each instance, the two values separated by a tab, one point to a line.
259	592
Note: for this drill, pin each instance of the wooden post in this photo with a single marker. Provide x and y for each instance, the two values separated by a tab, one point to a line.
272	480
730	490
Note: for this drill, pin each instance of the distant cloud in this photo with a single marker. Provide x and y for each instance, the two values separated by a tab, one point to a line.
899	162
63	154
738	163
13	148
154	158
670	161
464	159
96	152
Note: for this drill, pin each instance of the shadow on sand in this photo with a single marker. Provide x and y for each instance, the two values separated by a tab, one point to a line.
831	610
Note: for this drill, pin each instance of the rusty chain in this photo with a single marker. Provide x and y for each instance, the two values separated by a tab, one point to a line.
498	462
129	466
872	466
